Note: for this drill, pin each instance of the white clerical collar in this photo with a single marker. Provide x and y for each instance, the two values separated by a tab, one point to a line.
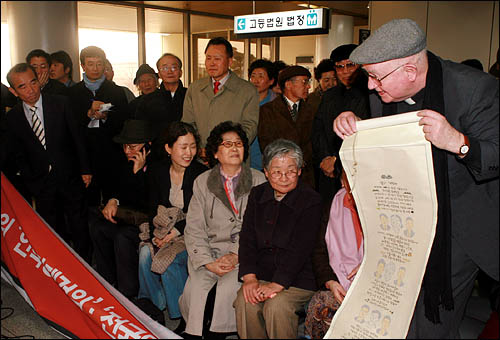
410	101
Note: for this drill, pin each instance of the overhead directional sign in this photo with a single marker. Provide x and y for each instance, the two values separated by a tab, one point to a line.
309	21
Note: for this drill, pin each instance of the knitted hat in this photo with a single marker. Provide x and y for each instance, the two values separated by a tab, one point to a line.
396	39
143	69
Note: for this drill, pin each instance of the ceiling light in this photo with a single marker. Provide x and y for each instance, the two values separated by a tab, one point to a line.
308	6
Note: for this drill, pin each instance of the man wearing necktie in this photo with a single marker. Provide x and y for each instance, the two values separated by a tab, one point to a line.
290	116
48	147
221	96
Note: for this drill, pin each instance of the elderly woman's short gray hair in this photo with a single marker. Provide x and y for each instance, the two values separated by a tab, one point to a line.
282	147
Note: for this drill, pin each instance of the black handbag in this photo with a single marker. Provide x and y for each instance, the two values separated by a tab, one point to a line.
130	216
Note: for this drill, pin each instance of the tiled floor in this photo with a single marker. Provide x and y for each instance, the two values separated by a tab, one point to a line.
26	323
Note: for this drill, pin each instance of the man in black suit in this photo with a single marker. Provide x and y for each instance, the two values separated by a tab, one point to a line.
50	152
99	126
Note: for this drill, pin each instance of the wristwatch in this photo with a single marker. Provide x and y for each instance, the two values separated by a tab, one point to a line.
464	149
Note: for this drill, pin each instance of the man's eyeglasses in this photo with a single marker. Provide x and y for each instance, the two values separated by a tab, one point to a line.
377	79
302	81
229	144
133	147
172	68
290	174
344	66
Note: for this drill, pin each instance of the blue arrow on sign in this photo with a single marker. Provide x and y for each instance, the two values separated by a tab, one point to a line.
241	24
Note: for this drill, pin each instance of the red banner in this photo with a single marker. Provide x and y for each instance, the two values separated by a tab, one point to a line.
62	287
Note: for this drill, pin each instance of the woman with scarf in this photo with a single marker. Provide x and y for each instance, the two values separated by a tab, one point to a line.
213	224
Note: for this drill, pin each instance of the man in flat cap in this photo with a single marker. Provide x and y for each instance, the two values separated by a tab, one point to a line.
290	116
459	110
351	94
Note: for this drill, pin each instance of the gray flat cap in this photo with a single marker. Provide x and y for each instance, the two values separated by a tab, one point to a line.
396	39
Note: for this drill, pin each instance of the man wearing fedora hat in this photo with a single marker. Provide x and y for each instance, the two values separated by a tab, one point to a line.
290	116
459	109
114	230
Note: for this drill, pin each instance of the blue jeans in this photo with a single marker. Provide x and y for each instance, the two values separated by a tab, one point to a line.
163	290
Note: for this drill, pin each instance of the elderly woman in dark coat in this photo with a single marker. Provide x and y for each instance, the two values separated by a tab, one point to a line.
276	242
213	224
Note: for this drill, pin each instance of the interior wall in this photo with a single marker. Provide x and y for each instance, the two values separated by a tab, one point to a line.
495	40
456	30
384	11
299	46
460	30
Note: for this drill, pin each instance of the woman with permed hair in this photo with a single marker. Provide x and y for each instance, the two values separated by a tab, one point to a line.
213	224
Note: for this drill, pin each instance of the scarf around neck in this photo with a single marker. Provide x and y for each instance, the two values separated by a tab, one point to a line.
437	279
93	85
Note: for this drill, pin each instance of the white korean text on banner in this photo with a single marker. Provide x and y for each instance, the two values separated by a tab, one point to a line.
64	290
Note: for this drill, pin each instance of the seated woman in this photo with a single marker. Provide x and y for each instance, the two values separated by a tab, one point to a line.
213	224
170	185
336	260
276	242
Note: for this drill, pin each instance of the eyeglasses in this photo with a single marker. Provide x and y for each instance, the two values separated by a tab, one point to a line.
377	79
302	81
229	144
290	174
344	66
172	68
133	147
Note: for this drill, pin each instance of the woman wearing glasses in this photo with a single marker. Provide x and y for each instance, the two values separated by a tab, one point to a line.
277	238
213	224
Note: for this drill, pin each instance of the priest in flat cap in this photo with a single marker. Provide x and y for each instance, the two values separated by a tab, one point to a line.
459	108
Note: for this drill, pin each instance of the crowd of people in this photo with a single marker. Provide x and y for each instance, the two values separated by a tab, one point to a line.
225	203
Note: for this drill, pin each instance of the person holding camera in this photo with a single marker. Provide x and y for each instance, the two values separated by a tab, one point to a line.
114	228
